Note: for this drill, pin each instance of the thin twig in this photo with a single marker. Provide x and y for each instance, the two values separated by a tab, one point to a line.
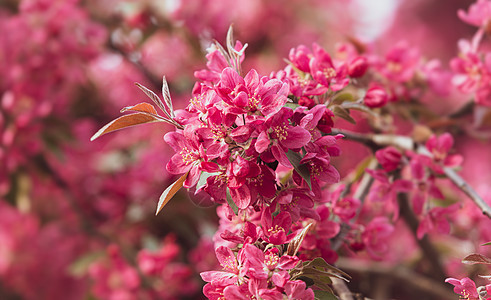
360	194
341	289
468	190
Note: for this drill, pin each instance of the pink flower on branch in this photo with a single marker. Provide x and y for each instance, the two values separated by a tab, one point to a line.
277	135
251	94
465	287
190	155
479	13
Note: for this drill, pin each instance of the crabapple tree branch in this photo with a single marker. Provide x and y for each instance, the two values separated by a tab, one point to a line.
376	141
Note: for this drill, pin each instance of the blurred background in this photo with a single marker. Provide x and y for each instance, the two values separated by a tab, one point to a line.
77	217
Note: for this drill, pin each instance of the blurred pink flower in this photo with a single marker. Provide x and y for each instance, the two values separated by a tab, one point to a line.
479	13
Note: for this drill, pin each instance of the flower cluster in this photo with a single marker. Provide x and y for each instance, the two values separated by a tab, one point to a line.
75	220
240	134
473	65
254	273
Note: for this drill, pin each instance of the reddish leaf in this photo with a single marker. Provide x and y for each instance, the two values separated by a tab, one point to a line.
125	121
477	259
170	192
141	107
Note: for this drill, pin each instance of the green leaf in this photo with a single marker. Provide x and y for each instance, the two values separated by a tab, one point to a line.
321	283
360	169
308	281
151	243
323	295
359	107
170	192
342	113
319	262
477	259
81	265
486	244
302	169
291	105
318	272
231	203
202	179
342	97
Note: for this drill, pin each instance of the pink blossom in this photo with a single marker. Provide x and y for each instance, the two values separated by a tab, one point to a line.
385	191
326	228
465	287
297	289
376	237
216	64
298	202
275	229
358	67
400	63
324	72
348	54
376	96
277	136
346	208
478	14
389	158
231	265
423	182
262	265
440	148
300	57
468	70
251	93
188	157
117	280
436	220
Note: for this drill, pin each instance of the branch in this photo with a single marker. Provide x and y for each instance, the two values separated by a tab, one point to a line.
360	194
377	141
430	253
468	190
341	289
406	277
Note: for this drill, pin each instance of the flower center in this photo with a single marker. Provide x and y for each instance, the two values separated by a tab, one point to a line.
188	156
280	132
275	229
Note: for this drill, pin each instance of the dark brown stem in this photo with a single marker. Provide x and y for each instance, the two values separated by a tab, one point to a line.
466	109
400	275
431	255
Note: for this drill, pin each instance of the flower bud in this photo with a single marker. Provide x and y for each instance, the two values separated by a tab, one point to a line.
376	97
389	158
358	67
326	123
307	102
